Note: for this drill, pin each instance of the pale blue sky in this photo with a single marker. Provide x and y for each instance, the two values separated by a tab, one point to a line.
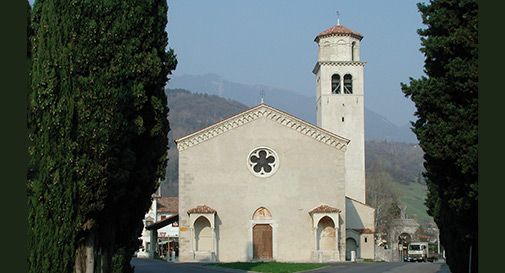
271	42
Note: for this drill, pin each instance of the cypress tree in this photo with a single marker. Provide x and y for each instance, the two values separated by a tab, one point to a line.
447	101
98	130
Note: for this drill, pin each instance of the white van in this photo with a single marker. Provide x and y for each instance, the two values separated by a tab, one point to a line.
417	252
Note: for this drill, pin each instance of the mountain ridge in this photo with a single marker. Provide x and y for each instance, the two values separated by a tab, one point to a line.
377	127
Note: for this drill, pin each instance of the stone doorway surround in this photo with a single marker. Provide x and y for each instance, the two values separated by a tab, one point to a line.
261	216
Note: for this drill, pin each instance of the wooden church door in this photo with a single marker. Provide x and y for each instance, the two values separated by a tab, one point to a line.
262	242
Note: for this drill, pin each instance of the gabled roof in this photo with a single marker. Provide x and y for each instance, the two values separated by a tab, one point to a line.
361	203
324	209
255	113
339	30
364	230
163	223
202	209
168	204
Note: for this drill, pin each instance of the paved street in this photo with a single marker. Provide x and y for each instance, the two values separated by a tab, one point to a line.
156	266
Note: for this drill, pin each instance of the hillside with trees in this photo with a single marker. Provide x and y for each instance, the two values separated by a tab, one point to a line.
393	170
190	112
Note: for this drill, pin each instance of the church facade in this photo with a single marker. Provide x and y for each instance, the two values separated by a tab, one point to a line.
265	185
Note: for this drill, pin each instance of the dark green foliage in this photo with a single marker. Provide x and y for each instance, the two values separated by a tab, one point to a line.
98	127
446	102
121	261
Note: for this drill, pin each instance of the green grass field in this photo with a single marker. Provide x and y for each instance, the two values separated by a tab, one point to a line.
413	195
272	267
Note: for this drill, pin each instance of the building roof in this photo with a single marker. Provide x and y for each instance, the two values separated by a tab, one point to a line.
364	230
202	209
339	30
260	111
324	209
168	204
359	202
163	223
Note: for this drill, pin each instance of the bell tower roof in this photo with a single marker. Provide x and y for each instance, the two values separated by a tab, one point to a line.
339	30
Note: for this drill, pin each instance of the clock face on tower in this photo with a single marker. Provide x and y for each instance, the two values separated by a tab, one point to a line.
263	162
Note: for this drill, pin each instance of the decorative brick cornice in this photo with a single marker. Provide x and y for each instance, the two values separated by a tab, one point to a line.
255	113
339	63
202	209
358	63
324	209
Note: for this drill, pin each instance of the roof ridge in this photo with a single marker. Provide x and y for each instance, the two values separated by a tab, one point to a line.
256	112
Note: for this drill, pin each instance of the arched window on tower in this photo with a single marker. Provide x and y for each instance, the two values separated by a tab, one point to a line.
347	84
335	84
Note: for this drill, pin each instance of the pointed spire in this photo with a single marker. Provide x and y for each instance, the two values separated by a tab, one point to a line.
262	94
338	18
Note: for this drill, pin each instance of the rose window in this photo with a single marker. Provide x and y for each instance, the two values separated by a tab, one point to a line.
263	162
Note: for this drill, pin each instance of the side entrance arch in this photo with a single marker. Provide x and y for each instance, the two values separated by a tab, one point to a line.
350	245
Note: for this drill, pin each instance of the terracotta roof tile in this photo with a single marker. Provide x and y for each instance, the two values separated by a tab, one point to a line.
339	30
202	209
168	204
364	230
324	209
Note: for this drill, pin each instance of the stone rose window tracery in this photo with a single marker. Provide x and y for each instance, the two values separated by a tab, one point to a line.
263	162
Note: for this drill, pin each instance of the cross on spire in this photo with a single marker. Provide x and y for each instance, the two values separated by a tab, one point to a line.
338	18
262	94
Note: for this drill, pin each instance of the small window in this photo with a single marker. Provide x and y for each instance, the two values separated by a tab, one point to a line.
347	84
342	119
353	49
335	84
366	239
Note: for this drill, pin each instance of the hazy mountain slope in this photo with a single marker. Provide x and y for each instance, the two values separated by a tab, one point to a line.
298	105
376	126
403	161
190	112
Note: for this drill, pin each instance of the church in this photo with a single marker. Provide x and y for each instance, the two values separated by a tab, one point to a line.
265	185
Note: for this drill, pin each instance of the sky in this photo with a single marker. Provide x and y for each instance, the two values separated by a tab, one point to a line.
271	42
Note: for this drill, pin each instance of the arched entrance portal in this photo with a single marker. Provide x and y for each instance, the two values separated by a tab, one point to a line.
262	236
350	245
403	242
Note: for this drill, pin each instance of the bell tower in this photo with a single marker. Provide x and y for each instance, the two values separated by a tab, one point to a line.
340	99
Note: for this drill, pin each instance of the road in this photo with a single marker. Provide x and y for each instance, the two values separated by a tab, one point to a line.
157	266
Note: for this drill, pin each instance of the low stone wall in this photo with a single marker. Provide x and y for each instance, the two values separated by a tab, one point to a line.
382	254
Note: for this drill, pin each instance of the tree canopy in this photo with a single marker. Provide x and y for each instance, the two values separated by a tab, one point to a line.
98	130
447	119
